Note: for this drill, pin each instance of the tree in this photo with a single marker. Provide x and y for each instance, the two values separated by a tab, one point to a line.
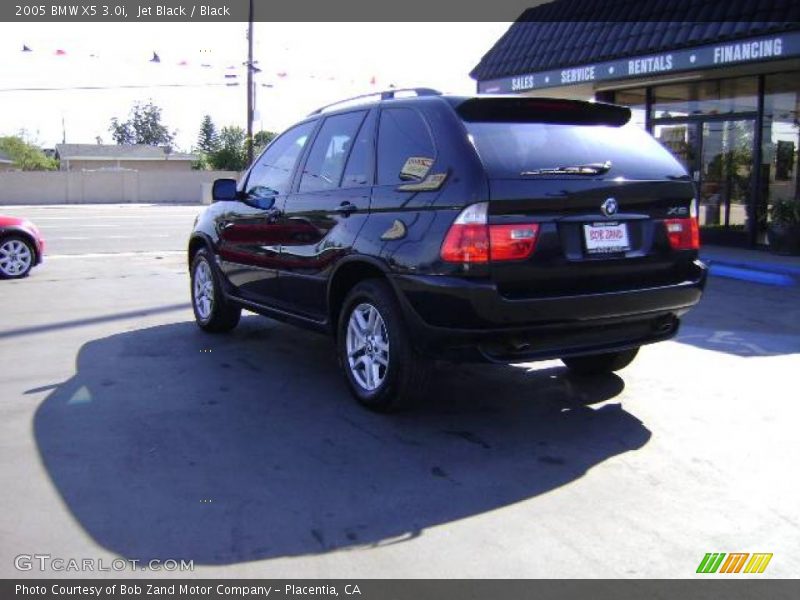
26	156
230	153
143	126
261	139
122	133
207	140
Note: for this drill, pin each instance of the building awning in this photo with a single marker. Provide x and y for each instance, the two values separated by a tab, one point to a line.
566	42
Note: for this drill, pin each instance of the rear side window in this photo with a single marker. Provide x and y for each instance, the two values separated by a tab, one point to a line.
359	166
403	134
273	173
331	148
514	150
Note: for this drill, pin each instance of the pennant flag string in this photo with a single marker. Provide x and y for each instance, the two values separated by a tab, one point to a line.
229	71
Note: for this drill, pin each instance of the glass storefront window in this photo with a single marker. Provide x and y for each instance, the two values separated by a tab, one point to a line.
716	97
780	141
710	127
636	100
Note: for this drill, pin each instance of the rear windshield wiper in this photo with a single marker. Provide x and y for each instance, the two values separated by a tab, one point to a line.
588	169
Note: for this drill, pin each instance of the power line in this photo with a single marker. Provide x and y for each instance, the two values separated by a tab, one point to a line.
118	87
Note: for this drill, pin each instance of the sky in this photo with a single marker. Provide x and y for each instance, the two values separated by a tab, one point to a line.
307	65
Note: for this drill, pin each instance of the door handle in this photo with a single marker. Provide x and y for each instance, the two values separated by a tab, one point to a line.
345	208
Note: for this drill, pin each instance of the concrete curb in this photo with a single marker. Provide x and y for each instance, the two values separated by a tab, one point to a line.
753	271
751	275
755	265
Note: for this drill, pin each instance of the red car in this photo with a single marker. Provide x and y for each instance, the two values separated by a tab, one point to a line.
21	247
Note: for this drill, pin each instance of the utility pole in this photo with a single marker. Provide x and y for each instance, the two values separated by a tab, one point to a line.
250	86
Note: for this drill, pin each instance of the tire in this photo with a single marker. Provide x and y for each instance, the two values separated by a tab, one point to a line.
598	364
372	333
213	312
17	257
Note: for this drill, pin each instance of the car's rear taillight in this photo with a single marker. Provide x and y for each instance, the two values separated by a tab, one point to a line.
467	241
512	242
472	240
683	234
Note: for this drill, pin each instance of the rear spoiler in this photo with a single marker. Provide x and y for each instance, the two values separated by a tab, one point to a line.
513	109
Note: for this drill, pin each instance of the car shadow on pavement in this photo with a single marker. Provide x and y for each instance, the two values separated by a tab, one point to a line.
169	443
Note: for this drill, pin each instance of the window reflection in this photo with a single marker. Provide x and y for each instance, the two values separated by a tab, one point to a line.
726	167
780	141
681	140
715	97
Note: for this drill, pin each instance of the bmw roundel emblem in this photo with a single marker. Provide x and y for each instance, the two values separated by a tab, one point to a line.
609	207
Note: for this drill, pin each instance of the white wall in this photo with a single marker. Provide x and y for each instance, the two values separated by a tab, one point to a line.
87	187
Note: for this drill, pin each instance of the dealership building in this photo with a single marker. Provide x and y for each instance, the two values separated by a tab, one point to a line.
718	83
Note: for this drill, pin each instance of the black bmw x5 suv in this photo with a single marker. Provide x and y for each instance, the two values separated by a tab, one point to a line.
414	226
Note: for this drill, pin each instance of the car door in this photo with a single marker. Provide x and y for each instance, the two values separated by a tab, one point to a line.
326	212
250	232
409	179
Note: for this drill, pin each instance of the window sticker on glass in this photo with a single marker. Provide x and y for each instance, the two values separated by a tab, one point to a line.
416	167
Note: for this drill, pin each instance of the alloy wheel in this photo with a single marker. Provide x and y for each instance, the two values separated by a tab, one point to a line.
15	257
367	347
203	290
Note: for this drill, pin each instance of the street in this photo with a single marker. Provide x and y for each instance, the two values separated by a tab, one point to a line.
128	432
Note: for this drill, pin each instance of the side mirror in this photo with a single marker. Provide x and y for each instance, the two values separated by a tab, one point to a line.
224	189
263	203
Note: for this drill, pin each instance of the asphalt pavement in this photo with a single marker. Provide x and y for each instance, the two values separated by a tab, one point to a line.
127	432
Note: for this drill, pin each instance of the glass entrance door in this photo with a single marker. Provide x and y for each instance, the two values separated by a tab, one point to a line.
718	153
724	182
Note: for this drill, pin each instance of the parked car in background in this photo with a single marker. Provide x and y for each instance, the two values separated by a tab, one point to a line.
21	247
501	229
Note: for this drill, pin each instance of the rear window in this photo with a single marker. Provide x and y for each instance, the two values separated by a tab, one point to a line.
518	150
403	136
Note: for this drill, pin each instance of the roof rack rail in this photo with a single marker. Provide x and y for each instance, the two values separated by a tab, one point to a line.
385	95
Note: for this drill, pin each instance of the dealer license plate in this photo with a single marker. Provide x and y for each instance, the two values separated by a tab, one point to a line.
606	238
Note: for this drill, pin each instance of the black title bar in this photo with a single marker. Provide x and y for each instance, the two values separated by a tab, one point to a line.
713	586
275	11
31	11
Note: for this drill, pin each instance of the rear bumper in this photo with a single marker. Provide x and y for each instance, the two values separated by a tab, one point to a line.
452	316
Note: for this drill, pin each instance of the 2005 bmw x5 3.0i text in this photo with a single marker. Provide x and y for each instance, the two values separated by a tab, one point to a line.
412	226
